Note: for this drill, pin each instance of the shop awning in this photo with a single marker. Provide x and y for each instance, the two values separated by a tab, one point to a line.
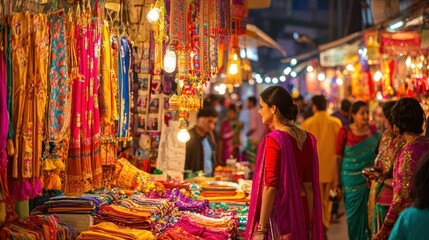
262	39
349	39
257	4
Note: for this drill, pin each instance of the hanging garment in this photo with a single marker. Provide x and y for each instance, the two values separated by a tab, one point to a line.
108	108
25	169
124	87
59	106
84	170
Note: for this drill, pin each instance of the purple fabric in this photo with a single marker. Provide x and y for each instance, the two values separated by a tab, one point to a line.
288	214
4	119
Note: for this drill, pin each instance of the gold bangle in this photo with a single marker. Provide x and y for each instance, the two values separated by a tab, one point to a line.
262	229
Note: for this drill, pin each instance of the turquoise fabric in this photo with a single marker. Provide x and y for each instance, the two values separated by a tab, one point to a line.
411	224
356	192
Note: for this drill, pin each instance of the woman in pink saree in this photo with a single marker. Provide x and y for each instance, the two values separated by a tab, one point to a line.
285	200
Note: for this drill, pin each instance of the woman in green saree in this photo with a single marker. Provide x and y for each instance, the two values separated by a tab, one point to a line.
355	151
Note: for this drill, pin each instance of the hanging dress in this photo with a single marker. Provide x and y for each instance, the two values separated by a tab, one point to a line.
97	171
7	213
59	105
25	182
124	87
108	110
84	170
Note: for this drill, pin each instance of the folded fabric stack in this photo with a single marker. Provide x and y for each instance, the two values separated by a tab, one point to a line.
37	227
124	216
182	202
79	204
160	210
199	228
222	192
110	231
239	211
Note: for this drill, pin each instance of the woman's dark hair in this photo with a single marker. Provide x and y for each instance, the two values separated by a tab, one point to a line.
355	108
233	108
408	116
420	192
387	111
281	98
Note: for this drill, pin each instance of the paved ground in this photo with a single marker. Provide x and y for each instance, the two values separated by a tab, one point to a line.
338	231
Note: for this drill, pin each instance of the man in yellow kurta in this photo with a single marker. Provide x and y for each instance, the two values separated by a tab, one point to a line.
325	128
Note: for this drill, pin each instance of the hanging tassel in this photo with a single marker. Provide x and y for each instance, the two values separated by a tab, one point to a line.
10	148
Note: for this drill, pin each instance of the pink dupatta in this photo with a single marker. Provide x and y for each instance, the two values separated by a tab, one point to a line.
288	210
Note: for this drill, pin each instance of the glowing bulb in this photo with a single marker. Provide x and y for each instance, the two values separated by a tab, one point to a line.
309	68
233	69
259	80
377	76
293	74
420	65
275	80
287	70
379	96
170	61
413	65
293	62
408	62
257	75
252	82
350	68
321	77
282	78
235	57
183	135
340	81
267	79
153	15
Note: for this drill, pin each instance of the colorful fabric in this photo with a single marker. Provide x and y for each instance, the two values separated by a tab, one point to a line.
127	176
411	224
84	170
288	215
273	154
195	229
124	87
108	104
325	128
380	196
29	98
356	192
403	170
60	88
108	230
230	139
7	213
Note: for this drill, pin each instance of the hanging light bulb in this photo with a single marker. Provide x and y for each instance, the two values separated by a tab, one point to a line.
153	15
170	60
408	61
379	96
377	76
321	76
183	134
233	68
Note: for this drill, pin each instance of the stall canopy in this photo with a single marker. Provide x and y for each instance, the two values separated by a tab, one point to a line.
262	39
257	4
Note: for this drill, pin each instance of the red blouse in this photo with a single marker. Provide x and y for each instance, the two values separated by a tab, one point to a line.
303	159
346	137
